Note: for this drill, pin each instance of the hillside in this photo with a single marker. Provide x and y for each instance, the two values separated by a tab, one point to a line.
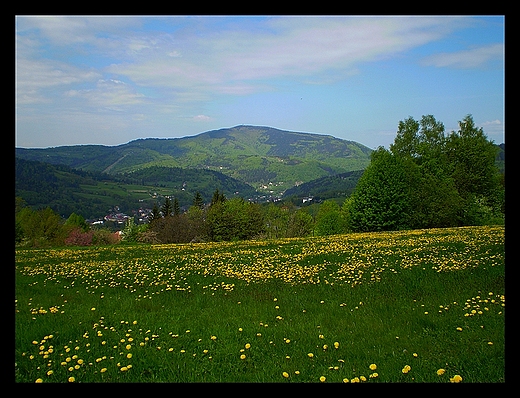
336	186
269	159
93	194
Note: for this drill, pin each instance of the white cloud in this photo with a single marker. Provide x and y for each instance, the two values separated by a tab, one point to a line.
33	77
473	58
202	118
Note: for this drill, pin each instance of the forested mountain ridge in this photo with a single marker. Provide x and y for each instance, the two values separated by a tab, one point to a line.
264	157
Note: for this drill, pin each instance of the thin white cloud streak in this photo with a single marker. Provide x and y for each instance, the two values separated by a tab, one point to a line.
473	58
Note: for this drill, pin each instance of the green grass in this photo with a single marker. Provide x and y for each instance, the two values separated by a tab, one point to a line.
429	299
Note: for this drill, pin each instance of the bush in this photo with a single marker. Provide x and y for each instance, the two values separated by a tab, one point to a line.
78	238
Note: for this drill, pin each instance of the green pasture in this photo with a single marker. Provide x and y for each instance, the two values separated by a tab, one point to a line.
409	306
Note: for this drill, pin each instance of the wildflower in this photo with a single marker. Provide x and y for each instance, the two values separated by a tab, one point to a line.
373	366
325	346
336	345
248	346
406	369
373	375
310	355
322	378
355	380
213	338
93	309
362	378
455	379
414	355
128	346
123	369
72	379
441	371
242	356
287	341
39	380
80	361
103	370
459	329
129	355
285	374
346	380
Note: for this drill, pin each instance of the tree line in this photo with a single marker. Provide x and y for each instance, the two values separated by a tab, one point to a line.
426	179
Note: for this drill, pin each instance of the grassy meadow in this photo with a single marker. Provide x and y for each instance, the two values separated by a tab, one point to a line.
408	306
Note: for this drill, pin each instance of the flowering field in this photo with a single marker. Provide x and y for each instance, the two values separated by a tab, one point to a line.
409	306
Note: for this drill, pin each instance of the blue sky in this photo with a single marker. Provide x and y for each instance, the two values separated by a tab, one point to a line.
109	80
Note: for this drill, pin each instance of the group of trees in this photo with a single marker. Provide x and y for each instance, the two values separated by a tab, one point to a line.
224	220
429	179
45	227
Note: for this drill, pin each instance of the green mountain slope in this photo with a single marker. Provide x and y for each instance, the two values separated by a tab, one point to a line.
93	194
266	158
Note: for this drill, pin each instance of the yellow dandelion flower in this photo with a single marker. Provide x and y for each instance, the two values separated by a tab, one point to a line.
213	338
346	380
455	379
128	346
336	345
406	369
285	374
248	346
362	378
103	370
414	355
242	356
355	380
373	366
441	371
310	355
38	380
323	378
124	368
93	309
129	355
71	379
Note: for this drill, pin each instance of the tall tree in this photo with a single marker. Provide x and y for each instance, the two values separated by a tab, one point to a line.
198	201
167	208
176	207
381	200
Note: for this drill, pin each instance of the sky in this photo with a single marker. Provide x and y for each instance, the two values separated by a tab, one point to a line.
113	79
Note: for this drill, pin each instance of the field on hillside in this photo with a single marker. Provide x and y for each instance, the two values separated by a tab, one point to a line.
409	306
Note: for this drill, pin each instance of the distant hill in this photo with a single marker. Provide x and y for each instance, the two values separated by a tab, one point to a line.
94	194
336	186
269	159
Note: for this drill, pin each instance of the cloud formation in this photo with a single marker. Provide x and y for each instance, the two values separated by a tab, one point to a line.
467	59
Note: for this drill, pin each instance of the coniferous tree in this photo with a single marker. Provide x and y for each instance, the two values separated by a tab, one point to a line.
167	208
176	207
198	201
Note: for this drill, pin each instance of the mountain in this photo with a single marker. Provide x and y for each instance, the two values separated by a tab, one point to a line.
269	159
